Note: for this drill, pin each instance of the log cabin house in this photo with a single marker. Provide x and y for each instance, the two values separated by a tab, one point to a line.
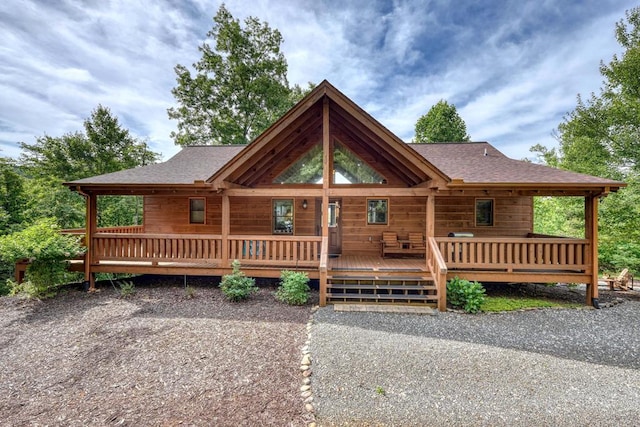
317	190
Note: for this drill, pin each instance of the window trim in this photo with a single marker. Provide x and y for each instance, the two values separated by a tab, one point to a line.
386	199
204	211
492	213
273	217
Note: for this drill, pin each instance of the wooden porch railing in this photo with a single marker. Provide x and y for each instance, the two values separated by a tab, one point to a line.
156	247
285	251
438	268
515	254
279	250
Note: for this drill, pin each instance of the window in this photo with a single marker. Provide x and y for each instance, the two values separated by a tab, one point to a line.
196	211
283	216
484	212
377	211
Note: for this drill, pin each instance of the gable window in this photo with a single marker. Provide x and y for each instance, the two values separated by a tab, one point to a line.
484	212
197	210
377	211
283	216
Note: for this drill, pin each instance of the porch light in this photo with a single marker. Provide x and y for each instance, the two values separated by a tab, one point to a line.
304	204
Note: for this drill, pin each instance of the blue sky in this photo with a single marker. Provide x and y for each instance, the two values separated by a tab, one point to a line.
512	68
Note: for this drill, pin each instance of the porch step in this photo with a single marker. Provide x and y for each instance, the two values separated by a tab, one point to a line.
382	290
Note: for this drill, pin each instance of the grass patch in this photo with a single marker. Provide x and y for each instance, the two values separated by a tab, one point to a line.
502	303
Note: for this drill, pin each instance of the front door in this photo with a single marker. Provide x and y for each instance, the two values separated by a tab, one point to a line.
335	229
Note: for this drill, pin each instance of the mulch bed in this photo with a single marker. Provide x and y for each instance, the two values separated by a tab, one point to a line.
559	292
157	358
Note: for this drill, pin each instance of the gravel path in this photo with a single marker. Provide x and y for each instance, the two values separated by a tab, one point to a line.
543	367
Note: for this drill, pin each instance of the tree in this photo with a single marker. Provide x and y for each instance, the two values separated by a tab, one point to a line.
441	124
104	147
240	86
13	198
600	137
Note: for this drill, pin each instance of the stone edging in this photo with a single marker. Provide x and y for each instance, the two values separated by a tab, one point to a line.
306	393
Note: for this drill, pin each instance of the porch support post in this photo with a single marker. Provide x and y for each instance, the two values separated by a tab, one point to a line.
591	233
226	224
430	219
90	228
327	169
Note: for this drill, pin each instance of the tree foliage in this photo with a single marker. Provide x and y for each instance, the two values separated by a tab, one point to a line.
600	137
441	124
104	147
239	88
48	251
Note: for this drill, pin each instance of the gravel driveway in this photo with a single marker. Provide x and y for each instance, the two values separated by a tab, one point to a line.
569	367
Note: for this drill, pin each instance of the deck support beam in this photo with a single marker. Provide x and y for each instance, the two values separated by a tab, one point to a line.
591	234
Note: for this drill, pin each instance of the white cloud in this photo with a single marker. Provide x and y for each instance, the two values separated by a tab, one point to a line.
512	70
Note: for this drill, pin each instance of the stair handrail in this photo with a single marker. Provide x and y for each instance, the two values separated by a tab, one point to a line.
438	269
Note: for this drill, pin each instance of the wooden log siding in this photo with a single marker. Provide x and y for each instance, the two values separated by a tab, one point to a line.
156	247
276	250
515	254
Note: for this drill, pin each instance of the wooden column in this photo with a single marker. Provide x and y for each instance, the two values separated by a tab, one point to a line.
226	225
591	234
327	172
90	228
429	226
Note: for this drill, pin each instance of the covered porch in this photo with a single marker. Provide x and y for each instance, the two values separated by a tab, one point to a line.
538	259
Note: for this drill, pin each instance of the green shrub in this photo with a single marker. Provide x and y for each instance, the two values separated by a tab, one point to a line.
294	288
49	252
127	289
465	294
236	286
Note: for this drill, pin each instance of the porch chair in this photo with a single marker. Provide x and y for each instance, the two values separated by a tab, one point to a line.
416	241
624	281
389	242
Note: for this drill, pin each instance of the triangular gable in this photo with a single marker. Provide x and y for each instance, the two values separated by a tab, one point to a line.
295	133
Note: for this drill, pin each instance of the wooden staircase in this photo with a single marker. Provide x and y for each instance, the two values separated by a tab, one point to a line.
376	288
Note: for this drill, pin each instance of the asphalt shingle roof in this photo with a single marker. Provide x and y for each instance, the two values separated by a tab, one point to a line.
194	163
466	161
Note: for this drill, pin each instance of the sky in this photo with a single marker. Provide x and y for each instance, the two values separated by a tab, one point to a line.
513	69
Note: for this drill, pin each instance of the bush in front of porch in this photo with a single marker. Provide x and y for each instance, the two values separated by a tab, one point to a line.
236	286
465	294
294	288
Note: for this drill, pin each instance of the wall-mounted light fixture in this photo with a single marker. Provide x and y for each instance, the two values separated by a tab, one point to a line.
304	204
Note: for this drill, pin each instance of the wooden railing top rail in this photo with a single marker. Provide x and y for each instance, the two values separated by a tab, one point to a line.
119	229
207	236
276	238
511	239
156	236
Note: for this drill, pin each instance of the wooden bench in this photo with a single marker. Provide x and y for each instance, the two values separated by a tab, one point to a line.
391	245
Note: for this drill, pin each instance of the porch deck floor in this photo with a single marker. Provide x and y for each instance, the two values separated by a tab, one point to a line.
377	264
